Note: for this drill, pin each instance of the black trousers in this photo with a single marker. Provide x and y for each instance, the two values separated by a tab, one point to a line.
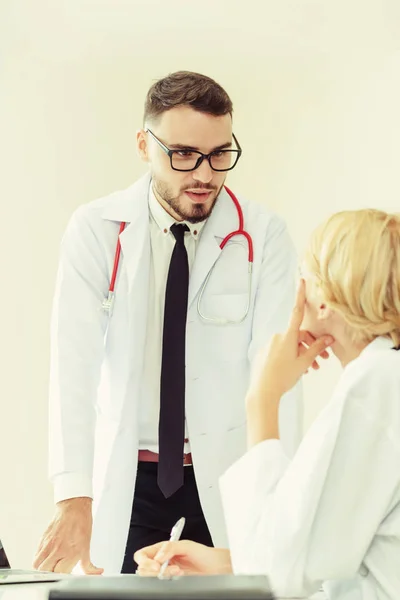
153	515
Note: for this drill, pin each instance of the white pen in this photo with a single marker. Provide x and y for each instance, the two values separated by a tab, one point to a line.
176	533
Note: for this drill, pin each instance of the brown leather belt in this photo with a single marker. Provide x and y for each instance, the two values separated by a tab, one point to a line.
148	456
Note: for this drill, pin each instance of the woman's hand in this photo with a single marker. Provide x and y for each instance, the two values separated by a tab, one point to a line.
290	354
288	357
185	558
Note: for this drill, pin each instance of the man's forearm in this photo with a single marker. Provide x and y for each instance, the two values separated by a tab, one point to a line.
83	502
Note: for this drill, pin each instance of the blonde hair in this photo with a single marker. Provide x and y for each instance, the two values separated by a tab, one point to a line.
355	259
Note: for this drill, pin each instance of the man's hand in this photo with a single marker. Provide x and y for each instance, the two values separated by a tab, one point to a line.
66	541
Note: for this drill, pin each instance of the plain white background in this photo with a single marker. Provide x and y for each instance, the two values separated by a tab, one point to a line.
316	91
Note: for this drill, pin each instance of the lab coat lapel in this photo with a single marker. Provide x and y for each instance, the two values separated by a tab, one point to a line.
135	246
222	221
132	208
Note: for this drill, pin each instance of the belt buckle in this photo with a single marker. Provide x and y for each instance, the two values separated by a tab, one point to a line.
187	457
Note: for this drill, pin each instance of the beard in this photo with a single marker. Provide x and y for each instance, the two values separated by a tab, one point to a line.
193	213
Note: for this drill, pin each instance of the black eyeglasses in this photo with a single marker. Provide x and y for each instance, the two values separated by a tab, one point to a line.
186	159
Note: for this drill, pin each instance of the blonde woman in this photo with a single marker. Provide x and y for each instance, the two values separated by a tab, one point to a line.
331	516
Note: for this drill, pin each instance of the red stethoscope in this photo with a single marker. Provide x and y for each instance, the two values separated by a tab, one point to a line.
108	302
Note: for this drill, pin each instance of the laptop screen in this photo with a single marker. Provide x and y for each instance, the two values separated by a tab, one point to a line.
4	564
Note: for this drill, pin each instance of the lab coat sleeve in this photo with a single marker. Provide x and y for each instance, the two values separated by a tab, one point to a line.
77	342
274	301
312	519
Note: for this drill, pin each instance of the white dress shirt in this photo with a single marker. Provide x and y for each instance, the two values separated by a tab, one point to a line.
330	516
162	243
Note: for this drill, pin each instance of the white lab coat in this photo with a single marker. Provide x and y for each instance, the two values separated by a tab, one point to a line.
332	514
96	363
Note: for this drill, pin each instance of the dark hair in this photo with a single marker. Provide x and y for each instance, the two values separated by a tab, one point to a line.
185	88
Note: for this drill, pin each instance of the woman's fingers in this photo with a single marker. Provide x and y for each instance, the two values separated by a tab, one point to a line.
172	571
305	337
150	559
169	572
310	355
302	350
169	550
297	316
145	556
147	564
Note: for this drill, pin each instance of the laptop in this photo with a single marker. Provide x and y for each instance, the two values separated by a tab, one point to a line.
132	587
9	575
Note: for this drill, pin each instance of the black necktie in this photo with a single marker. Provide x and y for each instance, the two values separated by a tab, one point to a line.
171	427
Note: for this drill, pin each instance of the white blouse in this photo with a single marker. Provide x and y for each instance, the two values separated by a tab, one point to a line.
331	516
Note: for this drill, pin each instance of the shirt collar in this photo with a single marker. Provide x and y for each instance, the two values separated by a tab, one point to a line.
379	343
164	220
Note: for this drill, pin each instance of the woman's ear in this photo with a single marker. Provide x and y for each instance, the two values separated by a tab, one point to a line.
324	312
141	145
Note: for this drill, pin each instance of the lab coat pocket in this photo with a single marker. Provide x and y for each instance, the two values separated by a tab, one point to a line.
229	340
231	307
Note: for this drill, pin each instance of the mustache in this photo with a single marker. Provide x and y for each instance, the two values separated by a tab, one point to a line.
204	188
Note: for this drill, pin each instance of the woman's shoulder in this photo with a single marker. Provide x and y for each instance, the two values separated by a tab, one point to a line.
379	362
371	384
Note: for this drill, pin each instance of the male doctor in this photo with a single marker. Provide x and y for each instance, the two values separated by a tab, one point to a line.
147	393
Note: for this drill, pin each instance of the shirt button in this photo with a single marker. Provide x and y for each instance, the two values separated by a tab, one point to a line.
195	232
165	230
